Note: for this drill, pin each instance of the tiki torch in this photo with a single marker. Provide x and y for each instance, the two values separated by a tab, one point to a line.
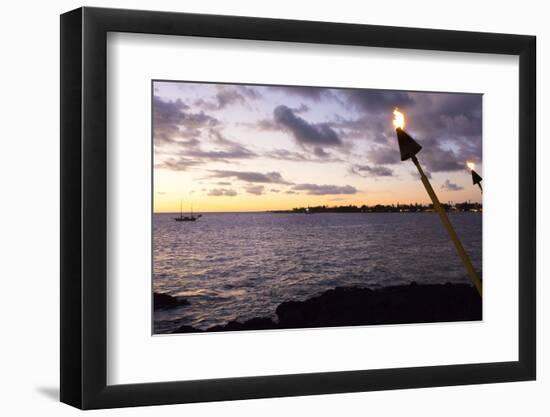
408	148
476	178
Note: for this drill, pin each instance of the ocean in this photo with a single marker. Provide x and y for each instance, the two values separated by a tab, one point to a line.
237	266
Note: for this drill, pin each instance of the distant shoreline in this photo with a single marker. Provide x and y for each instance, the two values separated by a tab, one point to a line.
298	212
466	206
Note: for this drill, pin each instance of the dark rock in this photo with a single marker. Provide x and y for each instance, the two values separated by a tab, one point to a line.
412	303
354	306
187	329
257	323
165	301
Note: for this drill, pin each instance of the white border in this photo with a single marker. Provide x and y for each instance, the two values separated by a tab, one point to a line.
134	356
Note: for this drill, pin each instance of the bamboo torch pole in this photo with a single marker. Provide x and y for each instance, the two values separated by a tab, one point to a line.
408	148
449	227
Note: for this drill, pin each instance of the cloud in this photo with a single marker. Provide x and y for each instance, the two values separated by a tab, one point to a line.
300	109
310	93
220	149
315	189
448	116
449	186
434	156
166	118
172	121
468	105
376	101
228	95
233	152
235	149
250	92
368	127
255	189
219	192
320	152
169	110
447	125
266	125
306	134
287	155
437	159
374	171
383	155
247	176
177	164
221	155
224	97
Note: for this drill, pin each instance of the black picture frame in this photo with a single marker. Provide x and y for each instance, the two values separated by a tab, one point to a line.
84	207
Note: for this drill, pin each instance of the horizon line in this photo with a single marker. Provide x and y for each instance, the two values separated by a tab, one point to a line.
297	208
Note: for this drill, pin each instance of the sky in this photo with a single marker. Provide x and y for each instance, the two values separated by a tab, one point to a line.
236	147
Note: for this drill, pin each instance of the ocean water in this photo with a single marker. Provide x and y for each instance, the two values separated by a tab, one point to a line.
243	265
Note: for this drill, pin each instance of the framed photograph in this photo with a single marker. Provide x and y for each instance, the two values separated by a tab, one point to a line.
257	208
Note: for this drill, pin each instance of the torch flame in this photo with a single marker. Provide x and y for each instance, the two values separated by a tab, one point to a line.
398	119
471	165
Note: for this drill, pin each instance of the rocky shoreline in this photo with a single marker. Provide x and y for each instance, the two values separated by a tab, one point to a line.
162	301
351	306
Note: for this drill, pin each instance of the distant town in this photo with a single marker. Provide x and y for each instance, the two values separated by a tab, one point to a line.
393	208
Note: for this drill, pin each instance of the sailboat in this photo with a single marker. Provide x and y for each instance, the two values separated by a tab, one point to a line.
190	218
